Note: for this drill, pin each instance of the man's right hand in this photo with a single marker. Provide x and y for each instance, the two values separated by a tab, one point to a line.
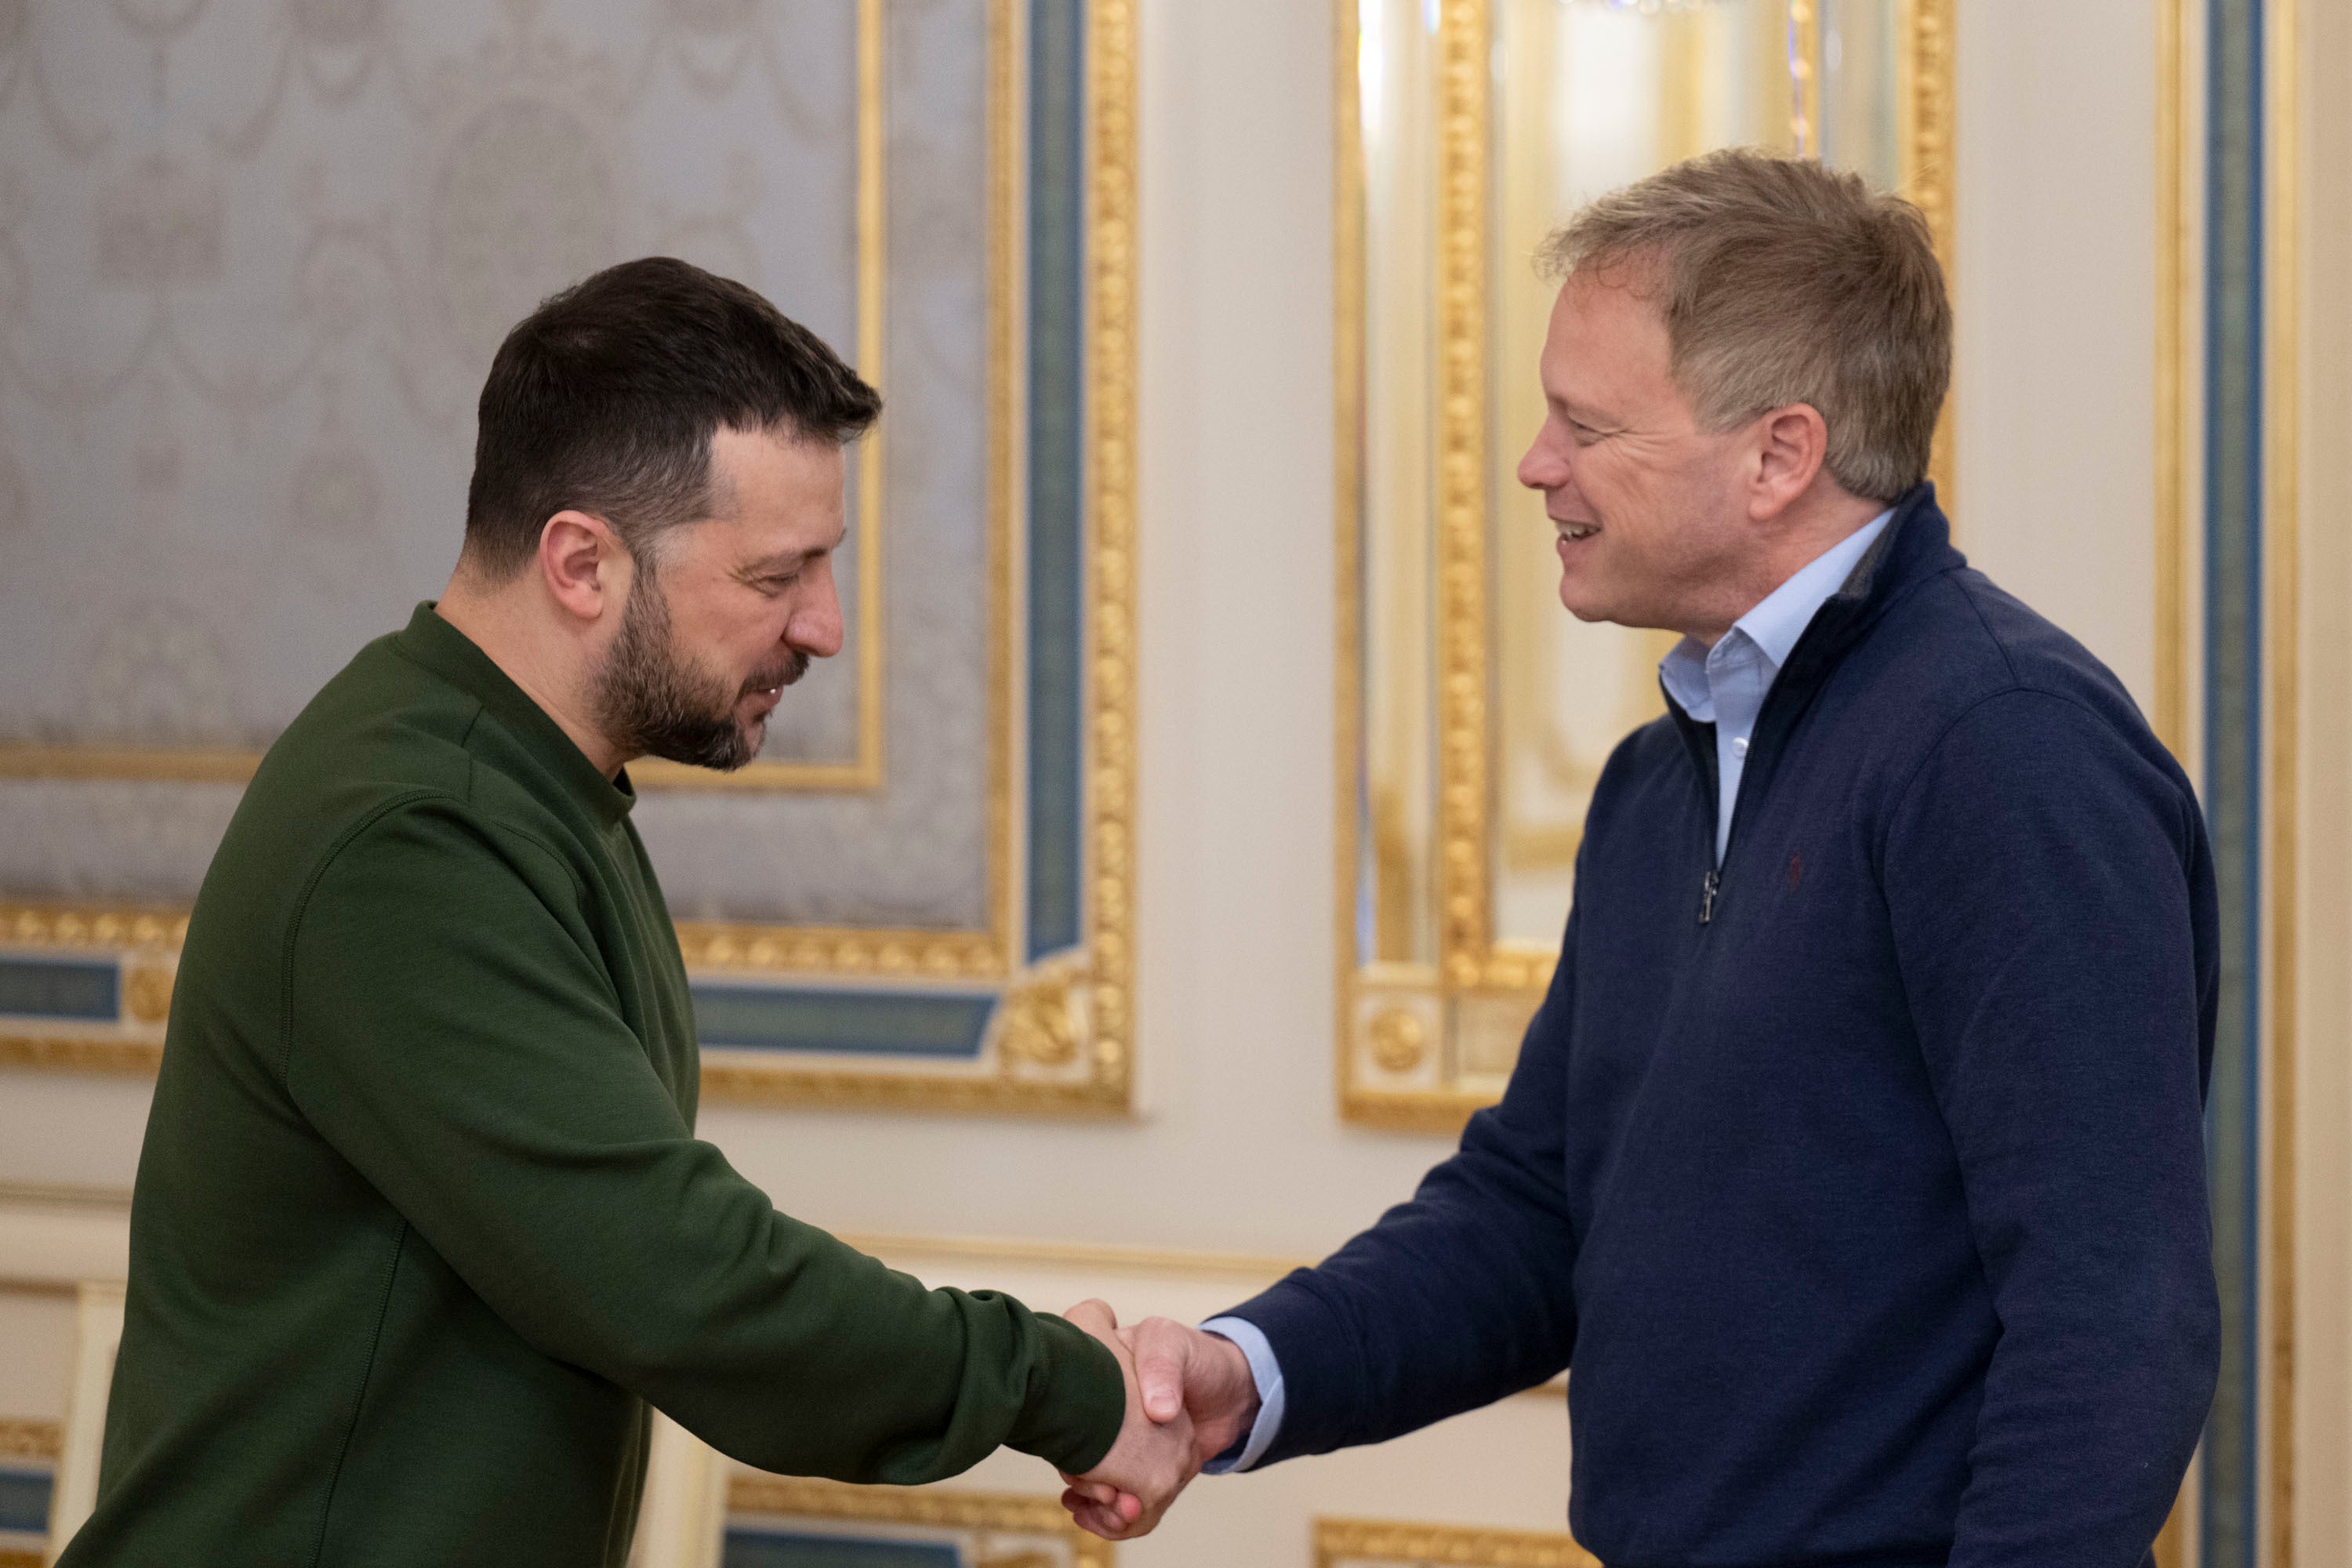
1151	1460
1188	1380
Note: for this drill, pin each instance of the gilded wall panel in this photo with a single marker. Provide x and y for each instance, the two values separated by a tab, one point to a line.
255	262
1474	714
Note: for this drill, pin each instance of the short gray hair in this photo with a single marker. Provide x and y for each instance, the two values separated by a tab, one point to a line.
1785	282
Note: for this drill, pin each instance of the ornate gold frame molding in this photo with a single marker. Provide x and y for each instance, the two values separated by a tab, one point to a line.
1338	1541
1060	1039
1421	1048
989	1512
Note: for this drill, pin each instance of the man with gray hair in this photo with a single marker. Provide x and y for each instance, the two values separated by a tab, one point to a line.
1853	1161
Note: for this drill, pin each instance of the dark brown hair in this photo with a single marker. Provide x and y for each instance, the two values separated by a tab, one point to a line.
605	400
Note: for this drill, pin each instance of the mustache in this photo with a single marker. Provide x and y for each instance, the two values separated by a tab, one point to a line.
785	672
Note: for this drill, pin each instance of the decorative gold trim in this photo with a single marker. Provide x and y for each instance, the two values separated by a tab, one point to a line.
1103	974
1925	74
862	775
1110	383
19	760
1466	912
1008	388
873	328
31	1439
1805	70
1471	966
2171	378
1347	533
2282	555
710	946
75	1053
92	926
743	1082
2174	237
931	1508
63	1195
1342	1540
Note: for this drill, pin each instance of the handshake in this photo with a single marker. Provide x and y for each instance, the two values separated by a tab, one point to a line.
1190	1396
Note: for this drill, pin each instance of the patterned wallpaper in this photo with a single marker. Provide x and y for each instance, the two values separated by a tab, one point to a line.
254	255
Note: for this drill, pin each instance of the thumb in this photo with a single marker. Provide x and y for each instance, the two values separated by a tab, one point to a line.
1161	1360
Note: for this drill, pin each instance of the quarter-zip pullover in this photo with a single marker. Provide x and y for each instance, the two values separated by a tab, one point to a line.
1725	685
1864	1196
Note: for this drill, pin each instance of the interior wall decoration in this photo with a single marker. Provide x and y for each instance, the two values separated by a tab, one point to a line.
1365	1544
779	1522
1474	713
254	262
2229	696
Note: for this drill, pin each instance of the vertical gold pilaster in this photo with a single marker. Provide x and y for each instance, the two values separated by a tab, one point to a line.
873	283
1805	77
1464	874
1110	652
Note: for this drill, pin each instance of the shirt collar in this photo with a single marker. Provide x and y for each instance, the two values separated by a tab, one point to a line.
1774	625
457	660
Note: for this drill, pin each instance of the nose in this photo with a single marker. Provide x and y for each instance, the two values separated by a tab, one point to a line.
814	627
1544	466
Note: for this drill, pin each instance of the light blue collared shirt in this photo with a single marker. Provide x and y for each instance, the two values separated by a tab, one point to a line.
1725	685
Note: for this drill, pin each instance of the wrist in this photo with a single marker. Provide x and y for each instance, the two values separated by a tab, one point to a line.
1234	1375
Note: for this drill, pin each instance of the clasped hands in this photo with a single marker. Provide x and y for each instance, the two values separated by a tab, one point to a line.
1190	1396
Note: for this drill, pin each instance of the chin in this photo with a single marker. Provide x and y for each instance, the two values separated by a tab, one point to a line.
1578	605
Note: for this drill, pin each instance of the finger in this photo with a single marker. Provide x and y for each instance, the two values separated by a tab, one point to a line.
1097	1518
1094	1317
1161	1359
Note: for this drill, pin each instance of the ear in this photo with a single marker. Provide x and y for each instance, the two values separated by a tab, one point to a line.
582	565
1792	444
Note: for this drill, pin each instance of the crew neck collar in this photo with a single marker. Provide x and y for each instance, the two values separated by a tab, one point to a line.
458	659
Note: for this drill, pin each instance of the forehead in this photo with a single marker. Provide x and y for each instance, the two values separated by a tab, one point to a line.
1607	338
775	490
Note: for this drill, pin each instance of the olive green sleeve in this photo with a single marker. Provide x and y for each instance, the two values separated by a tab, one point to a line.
451	1029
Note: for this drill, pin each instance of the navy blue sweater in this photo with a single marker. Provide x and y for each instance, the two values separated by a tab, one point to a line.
1871	1209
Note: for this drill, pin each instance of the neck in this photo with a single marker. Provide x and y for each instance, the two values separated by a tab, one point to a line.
1815	523
550	662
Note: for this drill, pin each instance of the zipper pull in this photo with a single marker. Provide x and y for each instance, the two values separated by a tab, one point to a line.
1707	897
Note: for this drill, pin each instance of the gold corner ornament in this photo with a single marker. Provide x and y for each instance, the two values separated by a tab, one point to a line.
147	993
1042	1021
1399	1039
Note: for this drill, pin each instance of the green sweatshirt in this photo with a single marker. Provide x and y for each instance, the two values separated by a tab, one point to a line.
422	1224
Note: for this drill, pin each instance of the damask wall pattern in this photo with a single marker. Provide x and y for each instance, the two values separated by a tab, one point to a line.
254	255
254	260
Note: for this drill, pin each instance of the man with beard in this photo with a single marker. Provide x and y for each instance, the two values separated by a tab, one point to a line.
422	1227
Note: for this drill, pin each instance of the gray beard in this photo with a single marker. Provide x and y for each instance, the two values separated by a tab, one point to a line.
650	702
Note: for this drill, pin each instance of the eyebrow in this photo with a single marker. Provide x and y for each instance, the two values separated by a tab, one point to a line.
788	560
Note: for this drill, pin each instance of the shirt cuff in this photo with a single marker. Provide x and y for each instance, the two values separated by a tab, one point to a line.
1266	1373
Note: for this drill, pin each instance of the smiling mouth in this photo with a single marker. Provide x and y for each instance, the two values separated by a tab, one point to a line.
1578	529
